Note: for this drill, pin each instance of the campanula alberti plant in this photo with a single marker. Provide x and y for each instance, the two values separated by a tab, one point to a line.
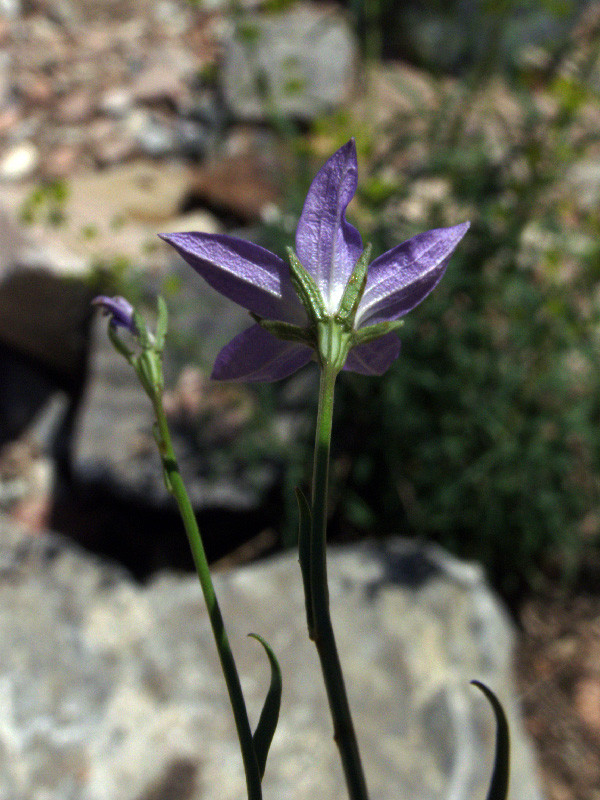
326	303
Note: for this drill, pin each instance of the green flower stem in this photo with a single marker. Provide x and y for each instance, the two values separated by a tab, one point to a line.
177	489
344	734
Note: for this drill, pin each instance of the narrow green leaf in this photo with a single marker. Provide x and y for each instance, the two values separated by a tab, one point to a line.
372	332
304	528
306	289
286	331
265	730
499	783
355	288
148	366
142	330
118	343
162	324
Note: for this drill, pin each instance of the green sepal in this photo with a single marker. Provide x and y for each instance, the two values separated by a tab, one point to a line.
372	332
334	343
141	331
149	370
162	324
499	782
286	331
304	528
265	730
355	289
118	343
306	289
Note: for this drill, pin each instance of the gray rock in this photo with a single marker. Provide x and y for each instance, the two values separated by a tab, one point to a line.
116	102
205	107
299	62
157	138
114	149
112	690
193	138
44	321
159	83
44	314
182	137
10	8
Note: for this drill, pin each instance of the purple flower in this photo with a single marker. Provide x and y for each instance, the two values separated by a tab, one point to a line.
328	248
119	310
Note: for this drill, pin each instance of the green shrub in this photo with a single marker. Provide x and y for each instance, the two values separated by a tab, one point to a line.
484	435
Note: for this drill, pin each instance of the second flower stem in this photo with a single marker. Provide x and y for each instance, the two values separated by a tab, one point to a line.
178	490
344	734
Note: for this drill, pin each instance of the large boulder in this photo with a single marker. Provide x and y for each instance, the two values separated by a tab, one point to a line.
110	689
299	62
43	310
44	320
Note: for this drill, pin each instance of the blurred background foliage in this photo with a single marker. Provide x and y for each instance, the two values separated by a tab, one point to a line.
457	35
484	435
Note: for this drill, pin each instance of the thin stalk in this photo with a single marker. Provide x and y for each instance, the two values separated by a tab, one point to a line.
178	490
344	734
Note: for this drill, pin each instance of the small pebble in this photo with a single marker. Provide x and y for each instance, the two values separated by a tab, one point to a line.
61	162
116	102
19	162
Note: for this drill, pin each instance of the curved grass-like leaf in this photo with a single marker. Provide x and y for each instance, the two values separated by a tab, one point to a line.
162	323
304	527
265	730
499	783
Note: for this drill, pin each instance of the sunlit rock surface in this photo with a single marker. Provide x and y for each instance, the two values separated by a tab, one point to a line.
301	63
109	689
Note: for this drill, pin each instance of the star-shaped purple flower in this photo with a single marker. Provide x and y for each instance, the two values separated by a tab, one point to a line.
328	248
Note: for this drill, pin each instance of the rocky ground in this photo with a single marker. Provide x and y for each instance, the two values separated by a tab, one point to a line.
95	83
116	105
559	684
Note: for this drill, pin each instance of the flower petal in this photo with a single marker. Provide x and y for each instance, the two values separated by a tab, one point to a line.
242	271
374	358
326	244
119	310
401	278
256	355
